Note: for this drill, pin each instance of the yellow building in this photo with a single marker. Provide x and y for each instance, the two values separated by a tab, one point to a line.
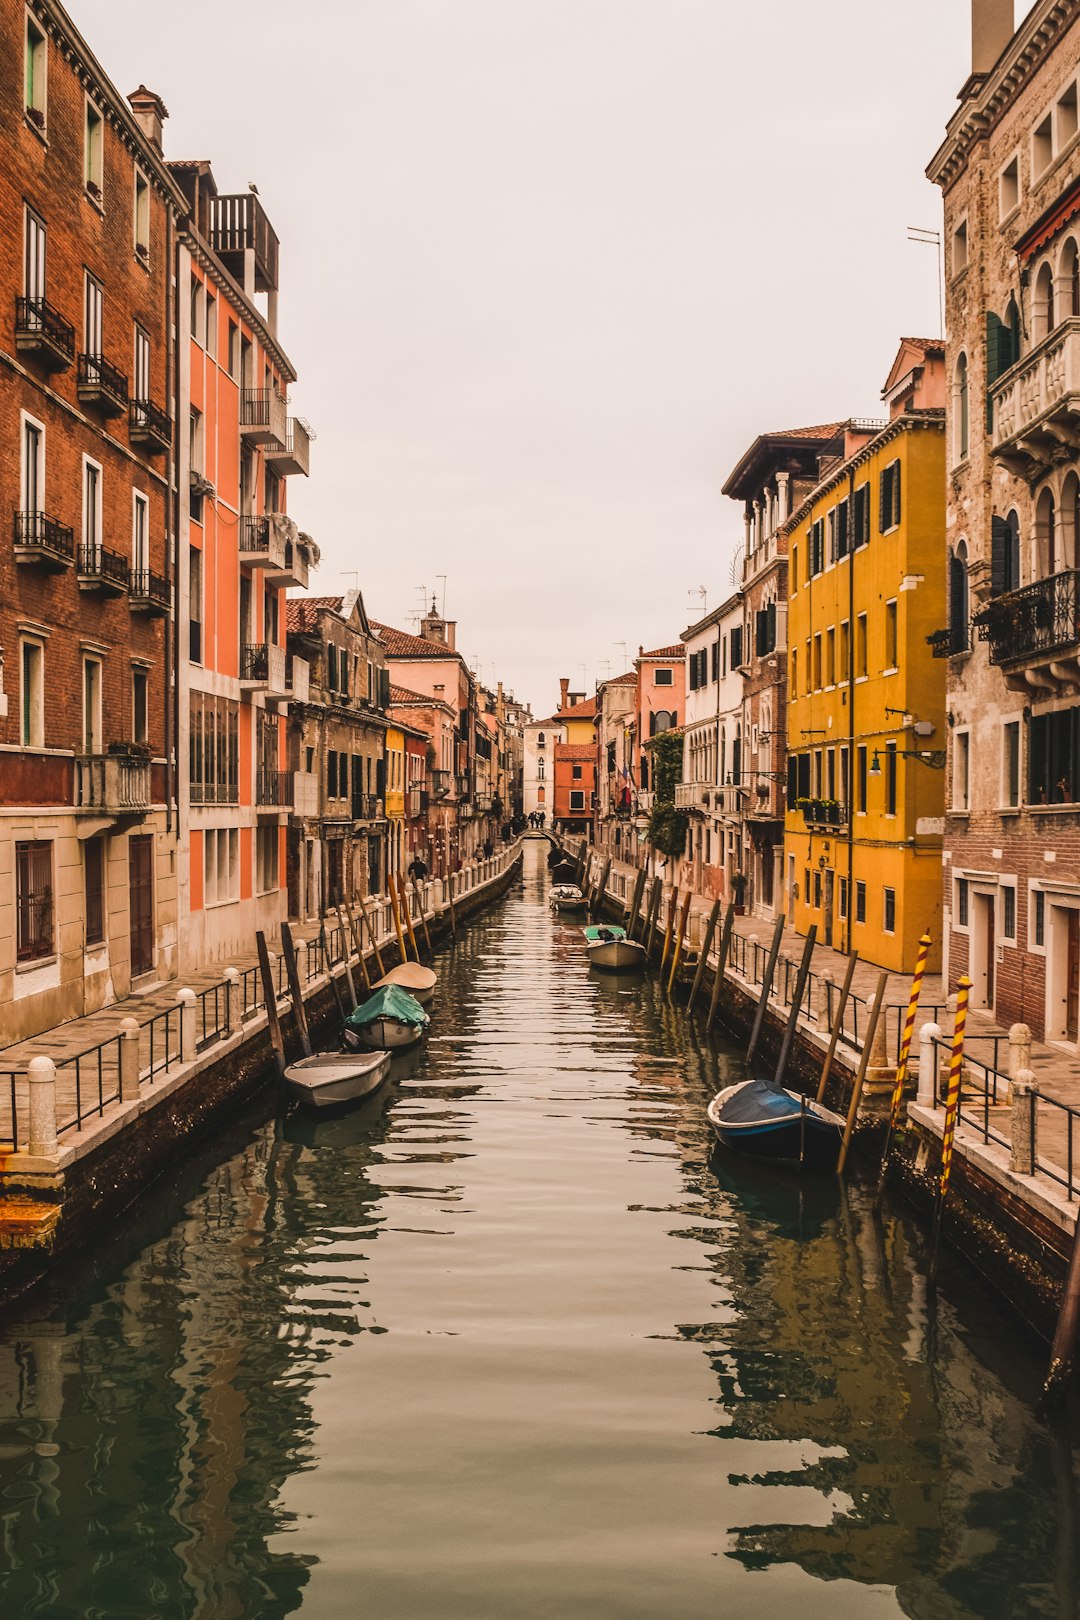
866	695
395	799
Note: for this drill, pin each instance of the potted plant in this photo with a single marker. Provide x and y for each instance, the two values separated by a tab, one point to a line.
738	892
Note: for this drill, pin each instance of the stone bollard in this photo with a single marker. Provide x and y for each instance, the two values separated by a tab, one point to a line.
130	1036
234	999
186	1000
1025	1095
880	1075
926	1096
824	1006
41	1076
1019	1058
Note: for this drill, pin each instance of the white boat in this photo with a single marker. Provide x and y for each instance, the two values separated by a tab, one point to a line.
390	1020
418	980
567	897
610	947
331	1078
388	1035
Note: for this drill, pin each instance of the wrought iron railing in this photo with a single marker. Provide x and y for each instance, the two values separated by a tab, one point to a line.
97	563
1042	617
254	534
36	318
45	533
144	417
945	643
97	372
273	787
150	587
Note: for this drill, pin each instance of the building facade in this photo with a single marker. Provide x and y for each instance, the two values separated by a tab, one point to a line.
88	829
1009	171
616	703
711	791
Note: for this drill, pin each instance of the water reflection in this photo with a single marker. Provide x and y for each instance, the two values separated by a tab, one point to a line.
511	1339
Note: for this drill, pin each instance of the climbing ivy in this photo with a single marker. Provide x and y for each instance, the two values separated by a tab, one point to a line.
666	831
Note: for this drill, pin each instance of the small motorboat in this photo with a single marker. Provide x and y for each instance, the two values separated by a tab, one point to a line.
564	872
418	980
389	1020
567	897
612	948
767	1122
331	1078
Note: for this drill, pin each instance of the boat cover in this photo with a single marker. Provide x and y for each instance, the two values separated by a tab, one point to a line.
567	891
389	1002
760	1100
604	934
410	976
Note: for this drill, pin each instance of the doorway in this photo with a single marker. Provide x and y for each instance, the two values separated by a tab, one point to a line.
1072	981
141	903
983	946
829	881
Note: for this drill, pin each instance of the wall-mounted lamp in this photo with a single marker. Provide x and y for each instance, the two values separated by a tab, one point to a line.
934	757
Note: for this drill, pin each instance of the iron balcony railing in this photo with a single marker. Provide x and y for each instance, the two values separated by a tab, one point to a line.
945	643
215	793
274	788
365	807
37	323
1039	618
263	663
100	380
95	563
149	424
36	532
824	813
238	224
149	589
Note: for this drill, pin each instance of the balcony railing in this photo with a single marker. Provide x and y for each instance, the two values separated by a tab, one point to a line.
238	225
1040	618
366	807
112	785
294	456
215	793
823	812
273	789
149	593
103	570
43	540
149	426
297	678
294	568
263	541
693	795
263	417
41	330
946	643
262	668
441	783
102	385
1036	398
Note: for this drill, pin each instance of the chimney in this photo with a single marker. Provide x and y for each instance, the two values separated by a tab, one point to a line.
992	27
564	689
150	114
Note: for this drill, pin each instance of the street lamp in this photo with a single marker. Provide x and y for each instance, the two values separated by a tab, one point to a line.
934	757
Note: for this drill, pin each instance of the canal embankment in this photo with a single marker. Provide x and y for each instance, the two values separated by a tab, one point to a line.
1015	1183
91	1112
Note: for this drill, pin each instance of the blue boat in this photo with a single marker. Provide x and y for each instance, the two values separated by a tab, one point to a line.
767	1122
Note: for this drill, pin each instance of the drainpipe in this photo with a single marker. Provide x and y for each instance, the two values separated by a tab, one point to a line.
852	548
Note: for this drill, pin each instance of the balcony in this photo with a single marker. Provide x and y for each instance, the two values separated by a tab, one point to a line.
215	793
297	678
113	786
1039	621
294	456
262	669
149	593
42	331
101	570
273	789
366	807
696	796
948	642
263	418
263	541
305	793
43	542
102	386
238	227
823	814
1036	404
442	783
149	427
294	570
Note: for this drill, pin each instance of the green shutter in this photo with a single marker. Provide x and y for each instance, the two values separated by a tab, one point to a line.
999	543
883	500
998	359
896	492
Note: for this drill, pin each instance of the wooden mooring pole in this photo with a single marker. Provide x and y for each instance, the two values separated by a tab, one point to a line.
266	973
860	1076
952	1111
655	897
706	947
288	950
403	896
669	931
796	1003
721	965
897	1102
372	936
679	938
450	900
635	902
423	920
601	887
766	986
358	945
580	870
837	1026
397	916
345	945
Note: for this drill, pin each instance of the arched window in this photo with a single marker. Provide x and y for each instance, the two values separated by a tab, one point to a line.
1012	325
1044	302
660	720
540	769
958	598
962	408
736	759
540	740
1012	552
1069	521
723	755
1047	560
1069	280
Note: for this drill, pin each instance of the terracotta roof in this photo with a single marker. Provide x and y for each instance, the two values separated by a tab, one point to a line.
925	343
400	644
767	453
629	679
579	711
402	694
302	612
678	651
574	751
827	430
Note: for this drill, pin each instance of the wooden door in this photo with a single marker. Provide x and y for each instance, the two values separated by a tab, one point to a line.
991	946
829	882
141	899
1072	1004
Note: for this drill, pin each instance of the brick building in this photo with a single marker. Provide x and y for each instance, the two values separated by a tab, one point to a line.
88	902
433	832
1009	170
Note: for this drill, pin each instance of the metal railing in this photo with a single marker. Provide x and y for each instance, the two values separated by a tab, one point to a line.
97	563
212	1015
147	420
97	1082
45	534
96	374
274	788
1042	617
36	320
150	588
162	1034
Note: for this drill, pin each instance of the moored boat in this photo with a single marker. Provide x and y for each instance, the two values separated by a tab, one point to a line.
390	1019
612	948
567	897
768	1122
418	980
330	1079
565	873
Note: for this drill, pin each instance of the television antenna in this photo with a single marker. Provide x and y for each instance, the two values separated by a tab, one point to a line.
701	593
924	237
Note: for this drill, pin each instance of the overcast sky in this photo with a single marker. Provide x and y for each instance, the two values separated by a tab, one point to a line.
549	266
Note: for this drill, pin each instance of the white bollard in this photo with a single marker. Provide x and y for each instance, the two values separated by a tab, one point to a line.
186	1001
927	1093
1025	1102
824	1008
234	997
1019	1050
41	1075
130	1036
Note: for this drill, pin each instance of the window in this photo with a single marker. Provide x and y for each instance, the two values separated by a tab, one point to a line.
830	657
93	299
540	740
960	248
958	599
1009	190
211	325
140	689
141	216
575	773
816	539
961	782
1054	757
221	865
1065	117
91	705
663	677
794	672
1042	147
806	884
817	888
793	582
841	904
141	369
195	603
817	662
765	630
1010	763
860	778
33	255
234	348
33	901
1038	918
331	774
962	902
198	311
736	647
32	694
843	671
889	497
540	769
890	779
94	889
1004	554
267	844
36	66
91	513
92	152
860	901
577	801
860	646
888	920
32	469
891	660
961	416
1008	912
861	520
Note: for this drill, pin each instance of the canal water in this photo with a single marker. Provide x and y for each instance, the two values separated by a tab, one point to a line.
512	1343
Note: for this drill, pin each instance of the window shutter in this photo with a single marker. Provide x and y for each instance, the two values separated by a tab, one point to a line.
792	781
770	626
998	359
896	491
804	776
883	497
999	550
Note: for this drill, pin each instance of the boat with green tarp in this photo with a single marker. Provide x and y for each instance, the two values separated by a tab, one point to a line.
390	1019
612	948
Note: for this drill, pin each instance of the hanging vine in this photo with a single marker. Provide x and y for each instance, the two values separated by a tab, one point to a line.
666	831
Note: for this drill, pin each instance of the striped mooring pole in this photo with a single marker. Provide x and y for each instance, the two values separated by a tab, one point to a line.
952	1109
902	1062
